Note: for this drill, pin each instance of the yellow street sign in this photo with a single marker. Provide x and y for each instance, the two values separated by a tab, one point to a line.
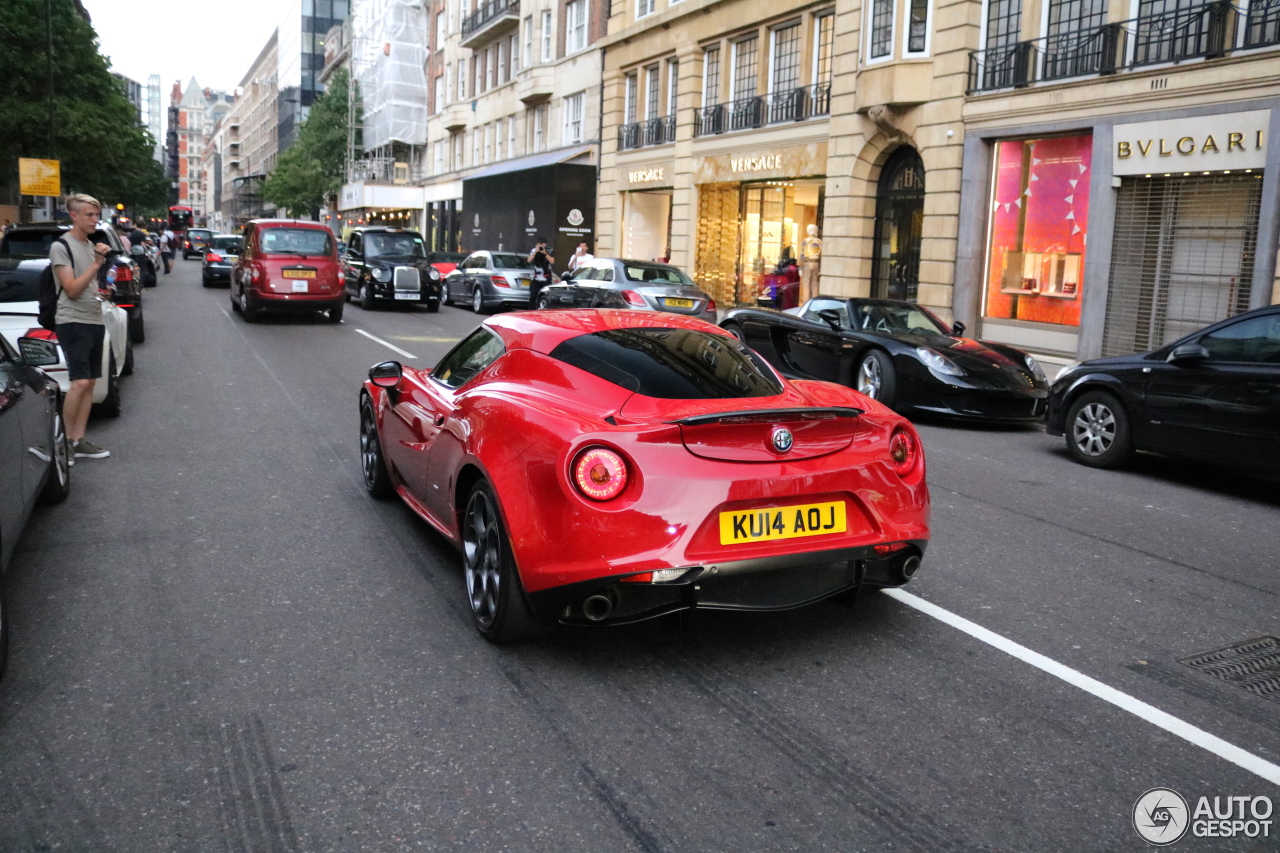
39	177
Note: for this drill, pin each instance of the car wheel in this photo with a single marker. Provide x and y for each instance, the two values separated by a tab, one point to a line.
346	295
4	635
235	303
58	486
206	281
493	584
735	330
335	313
249	313
372	464
445	294
366	297
477	301
127	370
543	302
137	330
876	377
433	305
1098	433
110	406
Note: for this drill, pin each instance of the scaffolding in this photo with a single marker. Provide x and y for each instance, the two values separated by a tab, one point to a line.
387	110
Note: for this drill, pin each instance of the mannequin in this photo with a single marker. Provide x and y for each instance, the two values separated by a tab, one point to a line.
810	262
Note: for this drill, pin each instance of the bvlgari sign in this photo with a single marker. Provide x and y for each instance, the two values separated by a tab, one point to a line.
1200	144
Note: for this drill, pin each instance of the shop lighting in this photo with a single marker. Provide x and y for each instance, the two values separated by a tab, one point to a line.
1146	176
1247	171
1185	174
1206	173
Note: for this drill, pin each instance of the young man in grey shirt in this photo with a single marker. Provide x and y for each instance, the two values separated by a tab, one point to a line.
79	325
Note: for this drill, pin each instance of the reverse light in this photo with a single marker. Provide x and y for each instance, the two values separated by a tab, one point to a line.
939	362
599	473
633	298
213	257
904	452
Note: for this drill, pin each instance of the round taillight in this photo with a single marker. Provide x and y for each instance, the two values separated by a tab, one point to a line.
599	473
904	450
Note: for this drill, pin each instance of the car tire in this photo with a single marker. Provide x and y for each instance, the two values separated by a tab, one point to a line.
494	592
444	294
373	466
247	311
127	370
544	304
335	313
235	303
110	406
735	330
1098	432
433	305
137	330
206	281
876	378
366	297
58	486
477	300
4	634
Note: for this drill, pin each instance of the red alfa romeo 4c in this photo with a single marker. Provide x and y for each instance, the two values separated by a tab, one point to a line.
603	467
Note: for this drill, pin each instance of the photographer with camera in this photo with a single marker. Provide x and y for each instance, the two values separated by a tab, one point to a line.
542	262
75	263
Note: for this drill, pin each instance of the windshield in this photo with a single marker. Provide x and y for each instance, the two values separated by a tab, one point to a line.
656	274
376	245
296	241
511	262
672	364
894	317
229	244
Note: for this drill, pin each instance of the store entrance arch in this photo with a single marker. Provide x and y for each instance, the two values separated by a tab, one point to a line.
895	272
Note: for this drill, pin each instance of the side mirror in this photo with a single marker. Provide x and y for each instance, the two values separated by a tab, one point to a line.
353	255
1187	354
957	328
566	275
37	352
386	375
832	317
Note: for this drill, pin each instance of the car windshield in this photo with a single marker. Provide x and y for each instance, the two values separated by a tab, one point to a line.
376	245
511	262
672	364
656	274
296	241
894	318
227	244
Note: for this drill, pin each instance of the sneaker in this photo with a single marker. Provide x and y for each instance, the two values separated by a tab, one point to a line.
88	450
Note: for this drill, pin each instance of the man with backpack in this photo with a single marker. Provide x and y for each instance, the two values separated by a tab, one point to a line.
75	262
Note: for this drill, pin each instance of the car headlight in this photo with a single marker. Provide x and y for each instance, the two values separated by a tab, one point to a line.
1036	370
433	274
939	362
381	275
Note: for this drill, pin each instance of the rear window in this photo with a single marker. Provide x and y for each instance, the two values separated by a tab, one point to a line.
199	234
511	262
672	364
24	289
656	274
227	243
30	244
296	241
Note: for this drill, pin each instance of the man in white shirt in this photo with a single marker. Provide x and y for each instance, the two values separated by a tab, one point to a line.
166	249
580	257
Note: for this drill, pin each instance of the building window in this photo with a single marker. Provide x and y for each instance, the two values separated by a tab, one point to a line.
448	83
439	93
528	39
824	36
651	92
673	85
881	28
462	79
575	13
515	53
631	98
440	31
497	139
1004	23
458	141
644	7
786	59
743	84
439	157
475	147
711	77
1072	30
488	142
546	36
492	59
918	26
539	127
511	136
573	118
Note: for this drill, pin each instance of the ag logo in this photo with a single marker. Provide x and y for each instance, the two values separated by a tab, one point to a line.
575	217
638	220
782	441
1160	816
531	220
477	220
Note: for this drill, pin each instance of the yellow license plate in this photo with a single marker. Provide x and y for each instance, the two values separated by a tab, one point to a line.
782	522
299	273
679	303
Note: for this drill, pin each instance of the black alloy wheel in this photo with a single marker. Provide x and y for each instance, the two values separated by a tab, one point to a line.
445	294
366	296
433	305
127	370
876	377
377	481
110	405
58	486
137	330
1098	432
205	280
494	591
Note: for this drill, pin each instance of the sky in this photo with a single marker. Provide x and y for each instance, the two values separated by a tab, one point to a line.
214	41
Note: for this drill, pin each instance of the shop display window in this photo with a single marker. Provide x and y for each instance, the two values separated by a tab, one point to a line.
1039	228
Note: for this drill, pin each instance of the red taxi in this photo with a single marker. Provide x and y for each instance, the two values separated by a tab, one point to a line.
287	265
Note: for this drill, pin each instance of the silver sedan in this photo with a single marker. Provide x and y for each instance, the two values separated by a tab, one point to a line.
636	285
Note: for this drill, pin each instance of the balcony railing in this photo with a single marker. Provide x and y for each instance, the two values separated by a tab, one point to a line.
641	134
487	14
1206	32
796	104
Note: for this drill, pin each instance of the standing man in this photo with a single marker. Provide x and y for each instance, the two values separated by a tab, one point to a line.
75	263
810	263
166	249
542	262
581	255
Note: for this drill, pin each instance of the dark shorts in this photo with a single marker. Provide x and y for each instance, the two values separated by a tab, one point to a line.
82	346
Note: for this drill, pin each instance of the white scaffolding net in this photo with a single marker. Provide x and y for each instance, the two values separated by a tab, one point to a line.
389	59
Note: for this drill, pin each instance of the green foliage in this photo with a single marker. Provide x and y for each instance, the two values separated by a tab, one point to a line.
95	129
314	167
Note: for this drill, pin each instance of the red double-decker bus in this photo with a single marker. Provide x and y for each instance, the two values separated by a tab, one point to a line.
180	219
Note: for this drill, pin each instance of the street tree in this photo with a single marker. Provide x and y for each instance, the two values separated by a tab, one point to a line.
313	169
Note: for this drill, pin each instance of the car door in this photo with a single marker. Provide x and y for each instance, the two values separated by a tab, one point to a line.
15	477
582	289
814	349
1226	404
353	266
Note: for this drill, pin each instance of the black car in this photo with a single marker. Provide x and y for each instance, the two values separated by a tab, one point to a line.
899	353
221	256
34	457
1213	395
389	265
196	242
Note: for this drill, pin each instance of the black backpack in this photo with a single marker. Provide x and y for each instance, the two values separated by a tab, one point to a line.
49	290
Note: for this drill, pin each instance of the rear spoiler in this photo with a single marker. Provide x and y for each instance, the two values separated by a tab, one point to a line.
749	415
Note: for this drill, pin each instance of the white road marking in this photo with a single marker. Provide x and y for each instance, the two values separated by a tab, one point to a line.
224	313
1123	701
393	347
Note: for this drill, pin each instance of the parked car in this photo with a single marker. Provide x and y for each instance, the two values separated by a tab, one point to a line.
224	250
780	288
899	353
446	262
490	280
32	242
287	265
35	462
196	242
390	265
680	470
634	285
1213	395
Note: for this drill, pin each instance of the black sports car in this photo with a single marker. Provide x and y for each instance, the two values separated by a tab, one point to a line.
1213	395
382	265
896	352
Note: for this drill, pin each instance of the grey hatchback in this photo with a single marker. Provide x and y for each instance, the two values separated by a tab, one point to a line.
635	285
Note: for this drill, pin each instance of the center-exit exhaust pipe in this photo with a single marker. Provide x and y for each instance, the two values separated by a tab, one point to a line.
910	566
598	607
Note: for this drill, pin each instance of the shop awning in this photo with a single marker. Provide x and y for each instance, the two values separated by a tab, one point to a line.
534	161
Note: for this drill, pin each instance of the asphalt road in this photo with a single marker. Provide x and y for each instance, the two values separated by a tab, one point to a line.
220	643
